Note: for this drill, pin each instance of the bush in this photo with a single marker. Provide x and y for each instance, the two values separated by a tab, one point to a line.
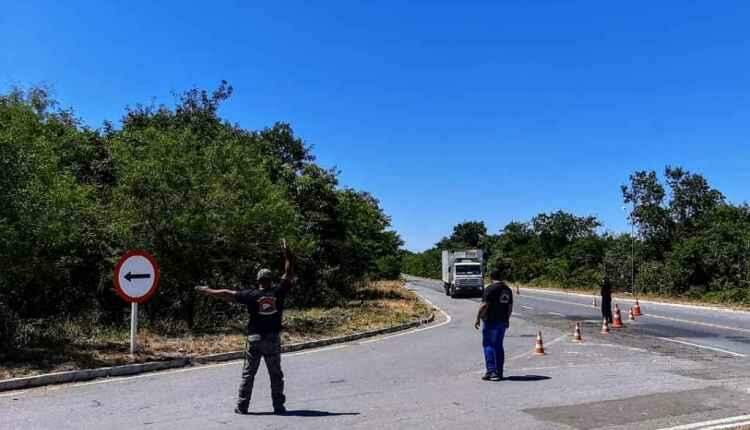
8	327
388	267
210	200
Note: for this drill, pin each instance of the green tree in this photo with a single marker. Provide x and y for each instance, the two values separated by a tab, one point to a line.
47	218
691	198
468	234
646	194
195	192
372	247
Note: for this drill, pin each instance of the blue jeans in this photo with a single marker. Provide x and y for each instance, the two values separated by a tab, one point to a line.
493	334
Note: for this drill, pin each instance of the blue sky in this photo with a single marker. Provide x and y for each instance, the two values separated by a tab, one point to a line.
445	111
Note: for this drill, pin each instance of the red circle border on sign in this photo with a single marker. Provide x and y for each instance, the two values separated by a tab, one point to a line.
116	277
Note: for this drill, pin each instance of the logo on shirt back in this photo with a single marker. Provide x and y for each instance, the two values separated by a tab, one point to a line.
504	298
267	305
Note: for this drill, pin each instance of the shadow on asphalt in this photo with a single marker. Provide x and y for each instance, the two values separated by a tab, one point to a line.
526	378
306	413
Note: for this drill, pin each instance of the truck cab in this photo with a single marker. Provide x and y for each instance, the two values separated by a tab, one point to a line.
462	273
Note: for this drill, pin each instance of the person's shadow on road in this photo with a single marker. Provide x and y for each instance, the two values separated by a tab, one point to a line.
526	378
306	413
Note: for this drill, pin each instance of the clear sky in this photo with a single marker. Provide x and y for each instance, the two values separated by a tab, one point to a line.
445	111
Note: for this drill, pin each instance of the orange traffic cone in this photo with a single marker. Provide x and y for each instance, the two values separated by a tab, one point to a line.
605	327
593	303
631	315
577	334
637	309
617	322
539	349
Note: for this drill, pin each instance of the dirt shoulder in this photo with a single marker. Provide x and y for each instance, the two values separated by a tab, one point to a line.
383	304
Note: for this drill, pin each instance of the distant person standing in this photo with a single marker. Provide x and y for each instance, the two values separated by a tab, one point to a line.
494	314
265	306
606	299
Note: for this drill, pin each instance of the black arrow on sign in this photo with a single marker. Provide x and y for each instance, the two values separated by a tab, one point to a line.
131	276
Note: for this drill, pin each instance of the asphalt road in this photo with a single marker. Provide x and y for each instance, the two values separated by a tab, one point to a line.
635	378
726	332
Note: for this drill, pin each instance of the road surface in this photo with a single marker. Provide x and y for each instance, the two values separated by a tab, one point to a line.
676	368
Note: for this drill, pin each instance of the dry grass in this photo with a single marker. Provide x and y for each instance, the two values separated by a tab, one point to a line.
378	305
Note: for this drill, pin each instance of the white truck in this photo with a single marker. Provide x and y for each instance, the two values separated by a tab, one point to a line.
462	272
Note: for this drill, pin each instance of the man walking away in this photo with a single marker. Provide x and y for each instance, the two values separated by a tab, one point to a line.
265	306
606	299
495	311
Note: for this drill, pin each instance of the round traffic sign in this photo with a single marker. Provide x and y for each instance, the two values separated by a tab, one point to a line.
136	277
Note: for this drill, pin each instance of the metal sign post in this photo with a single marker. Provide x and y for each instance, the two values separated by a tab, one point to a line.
133	327
136	278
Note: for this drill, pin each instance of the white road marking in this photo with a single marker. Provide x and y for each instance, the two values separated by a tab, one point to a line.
728	426
723	327
532	351
705	324
557	314
710	348
528	308
121	379
650	302
624	299
547	299
448	319
704	424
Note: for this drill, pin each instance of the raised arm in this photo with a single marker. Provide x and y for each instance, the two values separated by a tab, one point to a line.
288	261
225	295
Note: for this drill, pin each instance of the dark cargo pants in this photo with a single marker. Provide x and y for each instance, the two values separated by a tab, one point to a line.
269	348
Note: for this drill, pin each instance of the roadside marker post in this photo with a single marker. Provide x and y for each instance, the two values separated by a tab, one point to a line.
136	279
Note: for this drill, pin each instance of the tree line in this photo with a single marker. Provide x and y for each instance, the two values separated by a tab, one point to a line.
209	199
687	240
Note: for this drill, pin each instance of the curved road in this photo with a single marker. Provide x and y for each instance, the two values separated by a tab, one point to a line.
429	379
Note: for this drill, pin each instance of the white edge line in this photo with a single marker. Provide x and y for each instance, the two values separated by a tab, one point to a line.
723	327
650	302
448	319
728	426
624	299
718	326
121	379
710	348
721	421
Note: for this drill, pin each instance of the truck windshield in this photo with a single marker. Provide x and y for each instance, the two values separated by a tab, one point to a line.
468	269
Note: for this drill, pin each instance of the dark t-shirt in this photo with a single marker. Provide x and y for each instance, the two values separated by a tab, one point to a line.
499	299
265	307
